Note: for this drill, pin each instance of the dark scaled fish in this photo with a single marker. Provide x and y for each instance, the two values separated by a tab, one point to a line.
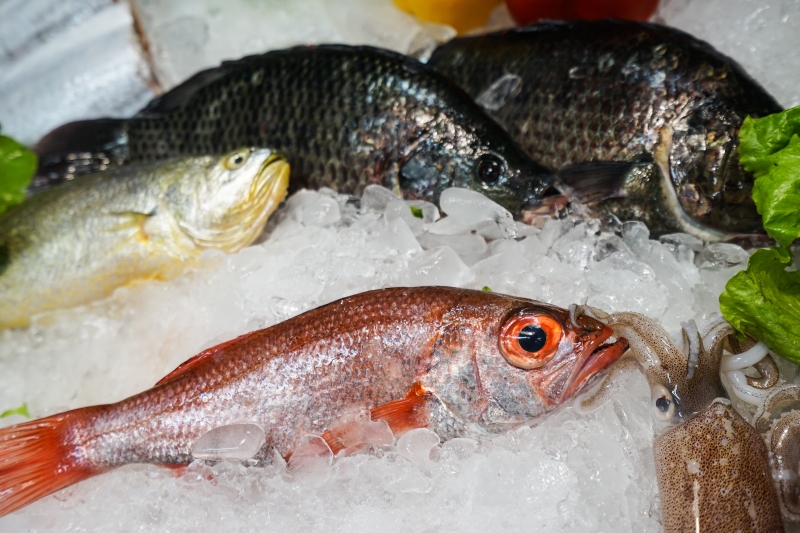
612	90
456	361
344	116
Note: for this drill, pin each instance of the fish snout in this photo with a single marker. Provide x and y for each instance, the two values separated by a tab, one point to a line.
595	357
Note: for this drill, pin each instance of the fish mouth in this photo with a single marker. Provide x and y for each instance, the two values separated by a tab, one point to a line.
242	223
602	356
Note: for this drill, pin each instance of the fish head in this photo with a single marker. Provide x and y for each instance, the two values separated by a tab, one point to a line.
532	358
483	160
711	186
224	202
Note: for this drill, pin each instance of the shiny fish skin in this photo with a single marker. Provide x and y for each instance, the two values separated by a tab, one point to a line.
613	90
344	116
77	242
433	348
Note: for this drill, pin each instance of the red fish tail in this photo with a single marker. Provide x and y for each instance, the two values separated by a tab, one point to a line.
36	459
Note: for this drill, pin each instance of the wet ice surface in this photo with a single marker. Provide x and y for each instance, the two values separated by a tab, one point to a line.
763	37
192	36
590	472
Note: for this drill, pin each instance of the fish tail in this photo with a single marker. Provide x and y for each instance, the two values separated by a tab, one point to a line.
79	148
37	459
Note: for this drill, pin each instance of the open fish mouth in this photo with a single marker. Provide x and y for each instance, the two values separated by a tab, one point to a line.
599	360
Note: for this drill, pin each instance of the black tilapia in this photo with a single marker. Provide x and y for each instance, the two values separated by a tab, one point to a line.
613	90
344	116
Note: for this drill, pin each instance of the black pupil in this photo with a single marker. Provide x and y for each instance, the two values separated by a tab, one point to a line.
532	338
238	160
489	170
662	404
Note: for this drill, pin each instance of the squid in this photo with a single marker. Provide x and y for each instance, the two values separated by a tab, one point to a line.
712	465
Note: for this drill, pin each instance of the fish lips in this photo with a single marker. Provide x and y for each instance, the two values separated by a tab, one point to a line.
593	361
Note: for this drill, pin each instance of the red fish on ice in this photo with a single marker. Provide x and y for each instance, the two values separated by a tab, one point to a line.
456	361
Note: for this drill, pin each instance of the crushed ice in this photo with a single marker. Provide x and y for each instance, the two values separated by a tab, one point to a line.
234	441
592	472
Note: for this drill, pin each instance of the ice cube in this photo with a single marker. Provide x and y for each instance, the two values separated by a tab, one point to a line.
468	205
722	255
377	198
234	441
636	236
441	266
310	463
416	446
324	211
678	239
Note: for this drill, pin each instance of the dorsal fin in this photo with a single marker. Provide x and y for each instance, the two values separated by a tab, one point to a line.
199	359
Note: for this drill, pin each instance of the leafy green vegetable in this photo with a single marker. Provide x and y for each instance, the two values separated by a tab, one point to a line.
486	289
17	165
416	211
21	410
764	300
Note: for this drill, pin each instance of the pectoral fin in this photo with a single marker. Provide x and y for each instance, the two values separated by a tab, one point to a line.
407	413
596	181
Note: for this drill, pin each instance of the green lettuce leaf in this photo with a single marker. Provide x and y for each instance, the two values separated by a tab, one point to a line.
17	165
764	302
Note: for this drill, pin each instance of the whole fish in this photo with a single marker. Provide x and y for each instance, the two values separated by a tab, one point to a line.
613	90
80	241
457	361
344	116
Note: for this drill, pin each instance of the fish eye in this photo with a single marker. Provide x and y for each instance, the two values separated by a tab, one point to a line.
237	159
490	169
530	340
663	403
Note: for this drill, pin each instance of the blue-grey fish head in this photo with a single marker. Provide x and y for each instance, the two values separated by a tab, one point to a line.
485	161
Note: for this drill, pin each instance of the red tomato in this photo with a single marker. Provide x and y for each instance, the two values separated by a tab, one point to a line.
528	11
617	9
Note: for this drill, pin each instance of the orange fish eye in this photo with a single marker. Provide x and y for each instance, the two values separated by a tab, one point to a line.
530	341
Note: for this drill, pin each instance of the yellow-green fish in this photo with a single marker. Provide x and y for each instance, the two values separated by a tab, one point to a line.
80	241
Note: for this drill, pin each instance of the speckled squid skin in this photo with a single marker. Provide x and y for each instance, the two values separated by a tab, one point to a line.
299	377
664	364
714	476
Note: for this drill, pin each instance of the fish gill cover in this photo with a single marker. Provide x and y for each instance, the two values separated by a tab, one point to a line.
17	165
764	300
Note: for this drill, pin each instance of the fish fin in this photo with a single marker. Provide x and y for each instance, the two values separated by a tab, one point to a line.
341	437
596	181
176	98
405	414
79	148
199	359
36	461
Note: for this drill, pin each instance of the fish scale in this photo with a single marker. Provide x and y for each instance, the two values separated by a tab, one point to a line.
412	357
614	90
344	116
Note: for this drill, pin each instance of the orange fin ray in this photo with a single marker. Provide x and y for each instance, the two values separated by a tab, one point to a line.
35	461
199	359
407	413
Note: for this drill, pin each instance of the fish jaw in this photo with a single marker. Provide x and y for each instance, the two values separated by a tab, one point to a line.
585	358
597	358
232	206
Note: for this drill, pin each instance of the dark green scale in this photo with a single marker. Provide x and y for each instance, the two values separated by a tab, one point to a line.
344	116
620	91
